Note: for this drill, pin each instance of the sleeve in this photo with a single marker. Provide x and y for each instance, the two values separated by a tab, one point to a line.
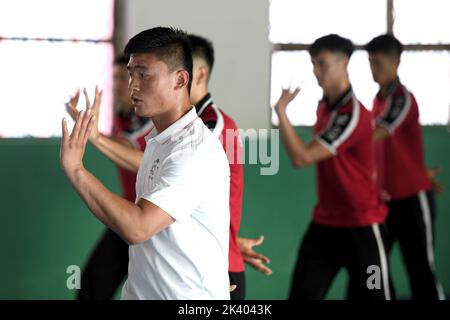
177	189
396	113
341	131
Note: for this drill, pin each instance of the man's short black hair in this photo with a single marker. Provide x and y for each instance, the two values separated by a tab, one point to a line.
332	43
121	60
202	48
170	45
387	44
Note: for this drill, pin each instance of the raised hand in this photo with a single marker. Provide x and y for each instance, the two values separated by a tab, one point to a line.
286	97
71	106
95	110
74	145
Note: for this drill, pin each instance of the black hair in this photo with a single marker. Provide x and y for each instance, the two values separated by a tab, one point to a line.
332	43
121	60
387	44
203	48
170	45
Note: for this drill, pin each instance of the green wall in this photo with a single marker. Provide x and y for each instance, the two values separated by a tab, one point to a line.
45	227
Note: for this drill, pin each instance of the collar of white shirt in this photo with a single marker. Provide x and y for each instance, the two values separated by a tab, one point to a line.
174	128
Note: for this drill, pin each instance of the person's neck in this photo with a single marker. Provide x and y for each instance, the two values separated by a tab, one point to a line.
334	93
202	92
163	121
384	88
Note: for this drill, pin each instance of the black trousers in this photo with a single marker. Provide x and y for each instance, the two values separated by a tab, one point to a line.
107	267
411	223
325	250
237	278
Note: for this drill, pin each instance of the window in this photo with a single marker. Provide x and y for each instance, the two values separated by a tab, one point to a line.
419	21
425	67
293	21
47	54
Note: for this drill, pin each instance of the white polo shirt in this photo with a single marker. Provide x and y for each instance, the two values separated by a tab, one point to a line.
185	172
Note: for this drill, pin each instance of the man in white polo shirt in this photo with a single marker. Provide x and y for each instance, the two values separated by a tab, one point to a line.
178	227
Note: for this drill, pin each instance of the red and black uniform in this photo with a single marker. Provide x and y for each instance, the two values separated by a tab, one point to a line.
226	130
402	174
347	225
107	266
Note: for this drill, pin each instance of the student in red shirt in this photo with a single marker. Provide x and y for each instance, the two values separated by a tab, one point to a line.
347	224
221	124
402	175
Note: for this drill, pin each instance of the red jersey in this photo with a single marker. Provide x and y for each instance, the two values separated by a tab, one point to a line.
134	129
226	130
400	164
348	195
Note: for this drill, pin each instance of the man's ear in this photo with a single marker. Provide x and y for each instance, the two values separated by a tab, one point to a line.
181	79
397	61
345	60
202	75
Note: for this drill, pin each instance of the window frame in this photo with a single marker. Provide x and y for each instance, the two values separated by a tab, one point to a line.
390	14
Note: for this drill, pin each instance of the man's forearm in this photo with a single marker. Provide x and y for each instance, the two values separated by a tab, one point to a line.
120	215
296	148
124	156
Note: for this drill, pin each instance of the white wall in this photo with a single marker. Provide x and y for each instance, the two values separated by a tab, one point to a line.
239	30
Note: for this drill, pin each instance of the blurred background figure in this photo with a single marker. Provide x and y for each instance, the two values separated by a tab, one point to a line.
401	171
